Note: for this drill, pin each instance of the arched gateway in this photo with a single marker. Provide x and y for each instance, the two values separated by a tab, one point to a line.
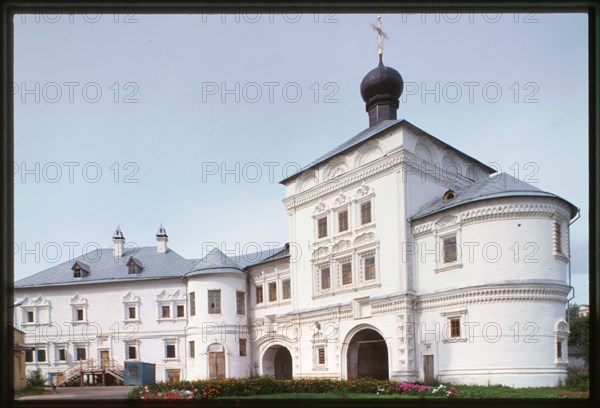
277	362
367	355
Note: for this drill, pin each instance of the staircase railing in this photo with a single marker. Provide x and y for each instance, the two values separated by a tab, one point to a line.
111	367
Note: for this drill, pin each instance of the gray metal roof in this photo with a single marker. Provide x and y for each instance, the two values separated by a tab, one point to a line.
103	268
495	186
218	262
370	133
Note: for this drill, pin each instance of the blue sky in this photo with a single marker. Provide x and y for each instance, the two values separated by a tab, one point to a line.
157	103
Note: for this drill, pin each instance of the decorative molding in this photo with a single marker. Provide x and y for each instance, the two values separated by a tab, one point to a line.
478	213
401	158
130	297
78	300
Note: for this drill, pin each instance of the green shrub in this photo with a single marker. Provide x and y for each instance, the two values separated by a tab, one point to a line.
36	379
578	379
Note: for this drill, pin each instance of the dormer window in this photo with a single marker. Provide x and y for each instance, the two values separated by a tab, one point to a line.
134	266
449	195
80	269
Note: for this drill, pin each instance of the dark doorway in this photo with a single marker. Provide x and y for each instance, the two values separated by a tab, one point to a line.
277	362
367	356
283	364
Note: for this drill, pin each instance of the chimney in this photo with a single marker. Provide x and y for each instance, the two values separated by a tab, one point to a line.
118	243
161	239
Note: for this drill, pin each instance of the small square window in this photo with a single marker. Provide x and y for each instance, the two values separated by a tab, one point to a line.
450	254
79	314
322	227
81	353
259	294
240	302
166	312
454	328
369	268
365	213
62	354
192	349
41	356
325	278
346	273
180	311
30	317
132	312
214	301
132	352
286	289
170	351
242	347
343	221
77	273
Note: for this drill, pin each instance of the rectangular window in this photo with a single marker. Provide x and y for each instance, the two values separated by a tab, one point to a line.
166	312
214	301
41	356
170	352
79	314
365	213
321	355
272	292
192	349
180	311
192	303
322	227
286	289
450	254
242	347
77	273
259	294
132	352
62	354
81	353
29	356
30	317
454	328
370	268
559	349
343	221
346	273
325	278
240	302
132	312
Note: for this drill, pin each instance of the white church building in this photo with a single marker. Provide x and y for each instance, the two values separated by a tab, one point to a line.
407	259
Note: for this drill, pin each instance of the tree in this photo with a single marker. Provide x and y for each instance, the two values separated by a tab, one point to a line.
579	327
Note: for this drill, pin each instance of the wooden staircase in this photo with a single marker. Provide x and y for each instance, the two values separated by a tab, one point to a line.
92	371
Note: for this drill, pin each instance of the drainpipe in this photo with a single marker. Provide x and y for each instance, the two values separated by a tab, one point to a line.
569	268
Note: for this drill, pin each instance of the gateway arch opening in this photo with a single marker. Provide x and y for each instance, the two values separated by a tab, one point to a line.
277	362
367	355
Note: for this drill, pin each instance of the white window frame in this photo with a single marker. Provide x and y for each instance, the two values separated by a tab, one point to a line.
79	303
450	315
440	236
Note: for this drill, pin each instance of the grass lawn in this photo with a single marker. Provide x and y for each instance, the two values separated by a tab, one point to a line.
29	391
469	392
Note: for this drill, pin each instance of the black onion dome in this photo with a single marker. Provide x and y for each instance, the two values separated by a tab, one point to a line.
381	81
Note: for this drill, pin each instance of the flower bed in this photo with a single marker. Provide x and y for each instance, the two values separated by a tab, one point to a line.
241	387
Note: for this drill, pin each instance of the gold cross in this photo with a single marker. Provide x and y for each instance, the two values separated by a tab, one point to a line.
381	35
